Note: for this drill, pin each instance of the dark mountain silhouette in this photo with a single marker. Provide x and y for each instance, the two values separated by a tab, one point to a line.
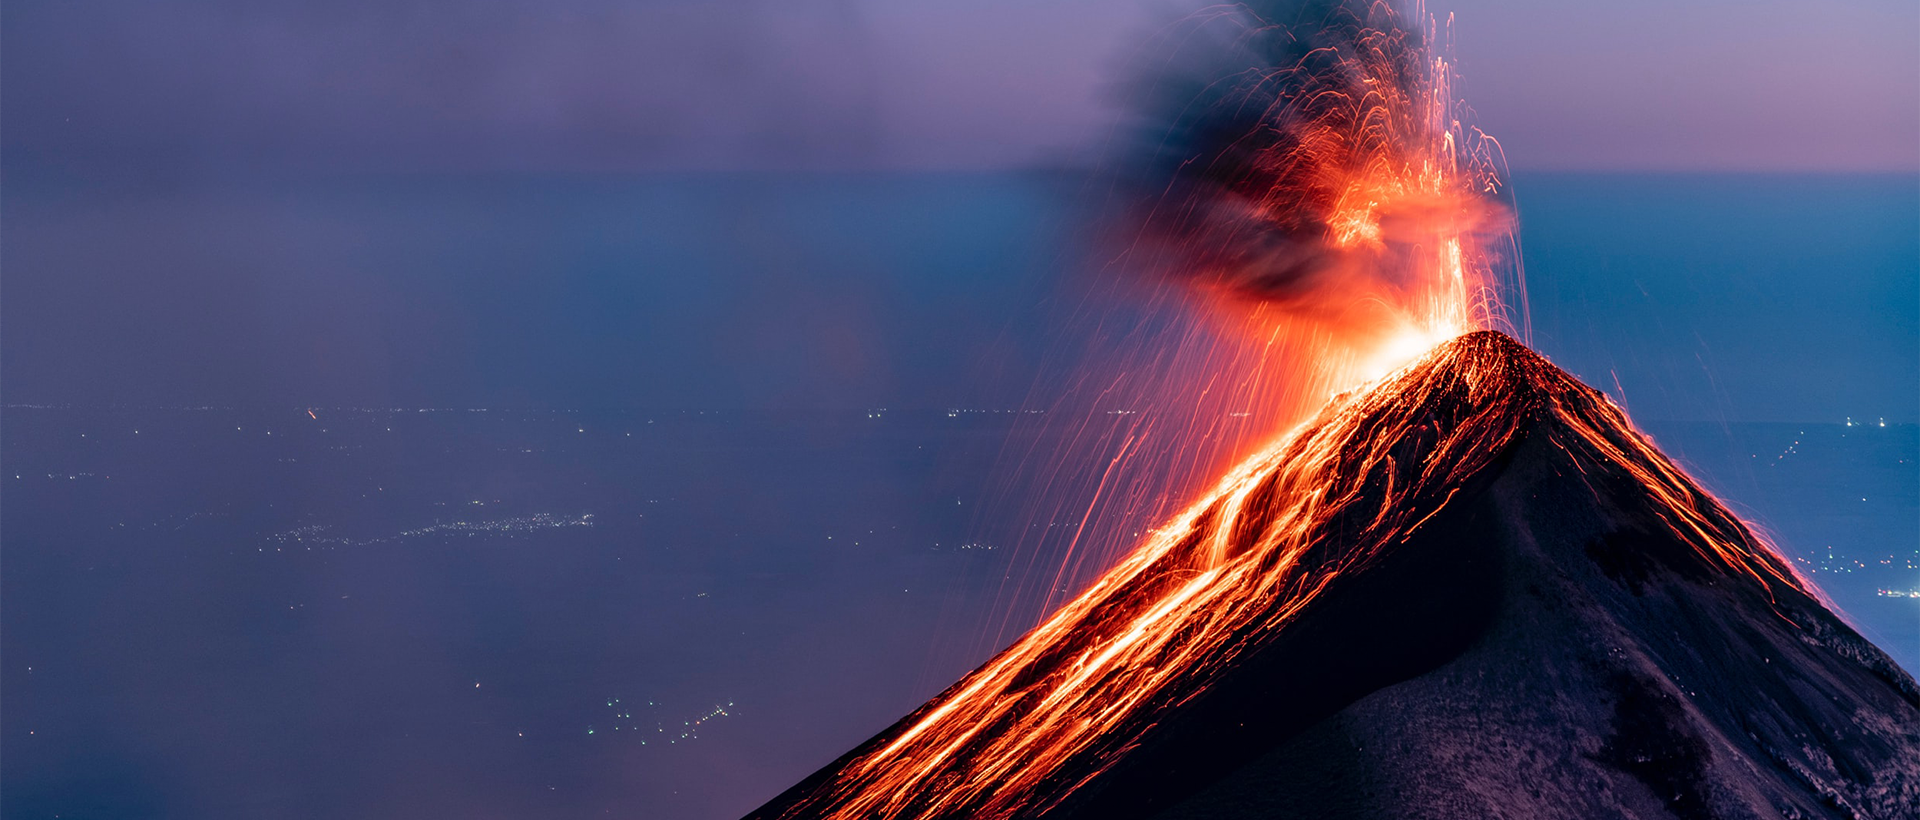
1498	600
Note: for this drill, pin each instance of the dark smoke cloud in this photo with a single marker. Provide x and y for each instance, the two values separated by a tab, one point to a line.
1251	127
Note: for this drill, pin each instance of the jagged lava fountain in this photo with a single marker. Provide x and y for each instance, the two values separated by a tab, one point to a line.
1471	590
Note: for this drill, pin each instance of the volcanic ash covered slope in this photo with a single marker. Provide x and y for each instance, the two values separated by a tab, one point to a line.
1515	607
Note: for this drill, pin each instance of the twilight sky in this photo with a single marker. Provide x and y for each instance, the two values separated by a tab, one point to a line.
114	87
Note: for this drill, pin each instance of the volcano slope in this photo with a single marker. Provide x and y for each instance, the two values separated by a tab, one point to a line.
1472	590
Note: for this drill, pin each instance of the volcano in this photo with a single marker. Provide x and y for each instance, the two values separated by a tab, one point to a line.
1470	590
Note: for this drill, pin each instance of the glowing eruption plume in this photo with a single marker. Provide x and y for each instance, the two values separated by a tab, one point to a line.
1316	187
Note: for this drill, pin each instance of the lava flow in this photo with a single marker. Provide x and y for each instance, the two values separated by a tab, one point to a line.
1325	204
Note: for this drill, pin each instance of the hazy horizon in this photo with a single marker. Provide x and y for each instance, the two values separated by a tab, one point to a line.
599	86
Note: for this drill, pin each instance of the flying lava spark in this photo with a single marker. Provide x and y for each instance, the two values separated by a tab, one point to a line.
1323	203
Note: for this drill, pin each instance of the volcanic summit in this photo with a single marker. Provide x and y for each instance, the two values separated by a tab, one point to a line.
1470	590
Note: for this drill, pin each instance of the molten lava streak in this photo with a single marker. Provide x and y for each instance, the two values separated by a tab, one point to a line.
1329	208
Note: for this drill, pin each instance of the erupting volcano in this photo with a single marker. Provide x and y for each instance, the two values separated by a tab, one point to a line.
1472	590
1466	587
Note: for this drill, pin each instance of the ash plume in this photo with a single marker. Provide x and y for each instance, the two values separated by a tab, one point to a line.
1295	153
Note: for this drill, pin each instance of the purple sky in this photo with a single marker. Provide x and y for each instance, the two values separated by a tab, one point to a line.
611	85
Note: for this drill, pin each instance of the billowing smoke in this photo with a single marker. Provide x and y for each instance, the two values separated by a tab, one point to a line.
1309	156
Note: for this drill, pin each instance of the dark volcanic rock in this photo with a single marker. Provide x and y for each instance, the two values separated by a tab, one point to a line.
1548	645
